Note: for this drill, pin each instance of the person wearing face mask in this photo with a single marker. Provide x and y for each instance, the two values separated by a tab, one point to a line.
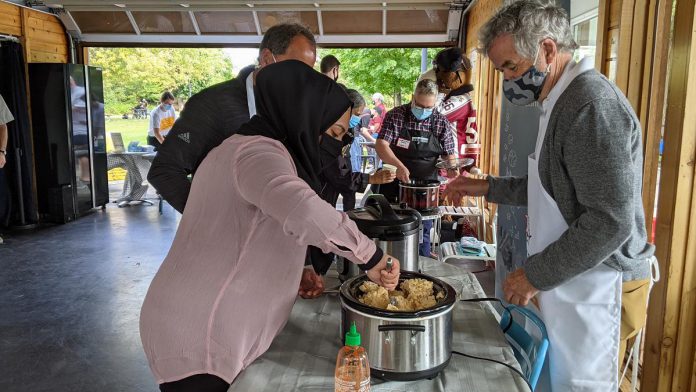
452	71
225	291
589	261
329	66
161	120
338	176
412	138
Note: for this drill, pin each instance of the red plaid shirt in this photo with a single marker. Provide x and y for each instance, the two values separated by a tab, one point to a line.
401	117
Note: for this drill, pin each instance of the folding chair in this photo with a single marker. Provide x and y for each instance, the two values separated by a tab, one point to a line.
530	351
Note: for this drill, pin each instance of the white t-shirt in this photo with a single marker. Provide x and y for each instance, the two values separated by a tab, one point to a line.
5	115
162	119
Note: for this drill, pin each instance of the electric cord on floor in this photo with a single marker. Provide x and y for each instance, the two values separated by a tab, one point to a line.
505	329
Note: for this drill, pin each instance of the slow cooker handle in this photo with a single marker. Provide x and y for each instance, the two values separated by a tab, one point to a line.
383	205
401	327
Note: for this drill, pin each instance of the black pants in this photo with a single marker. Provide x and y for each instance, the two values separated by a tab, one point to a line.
152	141
196	383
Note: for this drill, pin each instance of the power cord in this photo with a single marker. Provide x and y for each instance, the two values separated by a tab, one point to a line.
493	299
507	327
519	373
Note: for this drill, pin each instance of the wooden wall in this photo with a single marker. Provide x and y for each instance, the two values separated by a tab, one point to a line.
487	95
632	51
669	360
42	35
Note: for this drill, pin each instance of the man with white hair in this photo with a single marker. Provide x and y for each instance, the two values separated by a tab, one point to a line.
588	258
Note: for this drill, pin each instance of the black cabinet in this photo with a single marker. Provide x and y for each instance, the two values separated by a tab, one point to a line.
67	110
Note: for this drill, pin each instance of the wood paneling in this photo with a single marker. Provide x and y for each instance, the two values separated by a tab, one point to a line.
486	96
42	35
670	342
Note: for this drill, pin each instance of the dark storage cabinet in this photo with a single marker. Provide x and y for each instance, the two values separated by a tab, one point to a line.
67	110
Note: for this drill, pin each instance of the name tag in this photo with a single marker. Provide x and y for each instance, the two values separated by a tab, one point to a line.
403	143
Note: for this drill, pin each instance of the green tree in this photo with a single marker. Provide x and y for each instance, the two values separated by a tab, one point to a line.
392	72
131	74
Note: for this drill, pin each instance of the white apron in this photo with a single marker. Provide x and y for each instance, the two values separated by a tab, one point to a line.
583	315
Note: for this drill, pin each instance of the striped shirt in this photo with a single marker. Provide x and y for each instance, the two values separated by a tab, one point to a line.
401	118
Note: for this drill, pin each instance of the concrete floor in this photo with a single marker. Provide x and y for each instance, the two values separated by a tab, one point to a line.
70	298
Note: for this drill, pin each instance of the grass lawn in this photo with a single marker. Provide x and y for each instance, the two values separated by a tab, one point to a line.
131	130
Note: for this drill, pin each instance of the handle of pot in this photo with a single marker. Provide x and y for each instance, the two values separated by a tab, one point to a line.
383	205
401	327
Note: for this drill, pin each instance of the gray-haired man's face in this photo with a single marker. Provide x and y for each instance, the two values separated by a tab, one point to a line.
300	48
505	58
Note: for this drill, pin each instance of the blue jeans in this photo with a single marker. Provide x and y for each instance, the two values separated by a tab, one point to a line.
424	247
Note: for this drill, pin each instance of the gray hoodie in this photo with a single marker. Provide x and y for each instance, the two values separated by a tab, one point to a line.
591	164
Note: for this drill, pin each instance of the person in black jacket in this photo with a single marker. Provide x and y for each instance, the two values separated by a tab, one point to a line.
337	176
216	113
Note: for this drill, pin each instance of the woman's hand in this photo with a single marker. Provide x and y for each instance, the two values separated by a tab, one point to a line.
311	284
379	274
382	176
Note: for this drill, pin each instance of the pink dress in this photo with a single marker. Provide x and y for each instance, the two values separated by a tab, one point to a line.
230	279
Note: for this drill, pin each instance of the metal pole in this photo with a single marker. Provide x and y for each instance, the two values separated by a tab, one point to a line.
424	60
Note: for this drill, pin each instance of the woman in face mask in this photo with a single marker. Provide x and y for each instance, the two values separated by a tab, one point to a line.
230	279
337	175
162	120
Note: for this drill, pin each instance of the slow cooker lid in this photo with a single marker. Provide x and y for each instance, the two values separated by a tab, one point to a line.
378	218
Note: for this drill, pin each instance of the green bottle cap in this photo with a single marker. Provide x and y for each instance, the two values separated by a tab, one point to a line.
352	336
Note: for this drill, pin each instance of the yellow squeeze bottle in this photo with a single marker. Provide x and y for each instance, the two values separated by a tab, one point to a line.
352	368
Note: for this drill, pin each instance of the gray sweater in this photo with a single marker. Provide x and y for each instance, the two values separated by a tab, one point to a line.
591	164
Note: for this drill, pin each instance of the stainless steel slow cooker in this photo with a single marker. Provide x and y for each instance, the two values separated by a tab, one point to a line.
421	195
401	346
393	229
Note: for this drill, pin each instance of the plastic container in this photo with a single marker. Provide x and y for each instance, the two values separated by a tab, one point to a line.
352	368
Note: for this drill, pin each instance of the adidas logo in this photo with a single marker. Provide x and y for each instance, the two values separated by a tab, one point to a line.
185	137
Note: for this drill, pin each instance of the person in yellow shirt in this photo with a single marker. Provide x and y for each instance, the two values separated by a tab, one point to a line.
162	119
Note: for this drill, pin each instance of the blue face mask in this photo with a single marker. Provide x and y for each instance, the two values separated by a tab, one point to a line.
421	113
166	106
354	121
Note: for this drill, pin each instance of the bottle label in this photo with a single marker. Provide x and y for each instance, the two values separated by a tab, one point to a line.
351	386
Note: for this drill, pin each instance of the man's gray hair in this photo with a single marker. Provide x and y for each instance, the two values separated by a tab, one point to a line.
529	22
426	87
277	38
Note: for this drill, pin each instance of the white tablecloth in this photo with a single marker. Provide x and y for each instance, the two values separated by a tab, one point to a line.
303	356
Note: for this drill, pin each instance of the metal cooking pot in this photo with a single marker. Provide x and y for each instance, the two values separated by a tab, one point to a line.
393	229
401	346
421	195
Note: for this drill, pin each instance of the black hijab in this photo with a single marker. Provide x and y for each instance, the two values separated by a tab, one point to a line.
294	105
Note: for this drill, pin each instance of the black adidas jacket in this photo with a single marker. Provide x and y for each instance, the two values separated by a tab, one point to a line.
208	118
